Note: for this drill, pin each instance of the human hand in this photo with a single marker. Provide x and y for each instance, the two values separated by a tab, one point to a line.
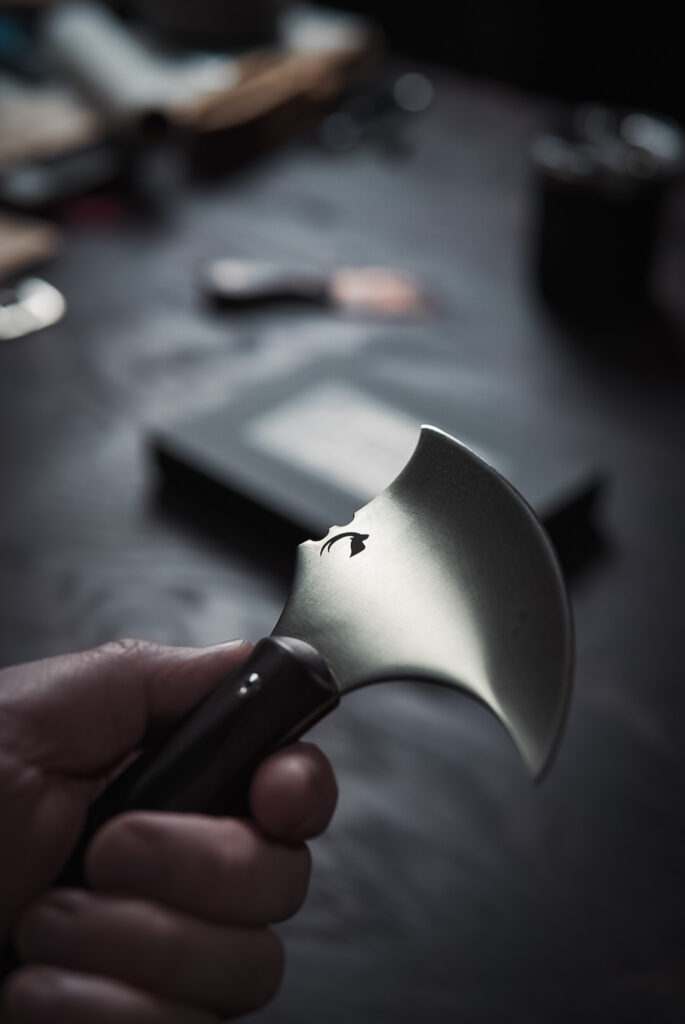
173	927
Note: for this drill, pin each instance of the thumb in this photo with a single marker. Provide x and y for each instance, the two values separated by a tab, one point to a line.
79	714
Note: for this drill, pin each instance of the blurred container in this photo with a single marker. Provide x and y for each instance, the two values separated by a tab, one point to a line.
213	24
601	192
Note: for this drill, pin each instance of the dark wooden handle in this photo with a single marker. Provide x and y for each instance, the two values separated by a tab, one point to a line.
206	763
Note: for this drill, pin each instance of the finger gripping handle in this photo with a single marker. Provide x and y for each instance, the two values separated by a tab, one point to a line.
206	764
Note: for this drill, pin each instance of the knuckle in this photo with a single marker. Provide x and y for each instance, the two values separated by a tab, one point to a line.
228	867
34	932
118	847
272	876
126	647
128	827
239	857
117	833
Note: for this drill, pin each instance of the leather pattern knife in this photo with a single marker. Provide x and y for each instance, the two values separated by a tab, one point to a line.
445	577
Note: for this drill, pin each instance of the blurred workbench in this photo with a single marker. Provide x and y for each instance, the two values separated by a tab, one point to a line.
448	888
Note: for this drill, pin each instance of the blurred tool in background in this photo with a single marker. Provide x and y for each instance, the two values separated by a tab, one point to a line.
92	95
223	105
122	80
379	291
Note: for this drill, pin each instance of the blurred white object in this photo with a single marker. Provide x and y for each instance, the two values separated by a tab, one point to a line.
308	29
413	92
119	73
29	306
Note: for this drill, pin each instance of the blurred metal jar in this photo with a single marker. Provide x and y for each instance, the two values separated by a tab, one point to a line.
600	191
215	24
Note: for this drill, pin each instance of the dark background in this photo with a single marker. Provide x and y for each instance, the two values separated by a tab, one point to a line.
620	53
448	888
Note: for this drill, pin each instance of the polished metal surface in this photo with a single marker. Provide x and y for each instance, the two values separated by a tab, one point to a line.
448	577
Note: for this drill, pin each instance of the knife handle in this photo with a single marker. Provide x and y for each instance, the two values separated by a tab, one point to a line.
205	764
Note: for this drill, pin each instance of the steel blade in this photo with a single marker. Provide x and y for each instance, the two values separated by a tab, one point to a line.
446	576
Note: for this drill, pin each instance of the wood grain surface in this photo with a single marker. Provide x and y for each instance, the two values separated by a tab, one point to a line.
448	888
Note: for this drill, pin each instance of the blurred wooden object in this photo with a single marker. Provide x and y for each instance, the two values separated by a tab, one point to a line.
44	122
269	83
223	107
24	243
277	94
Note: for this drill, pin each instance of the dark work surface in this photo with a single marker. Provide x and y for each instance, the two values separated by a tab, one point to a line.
448	888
